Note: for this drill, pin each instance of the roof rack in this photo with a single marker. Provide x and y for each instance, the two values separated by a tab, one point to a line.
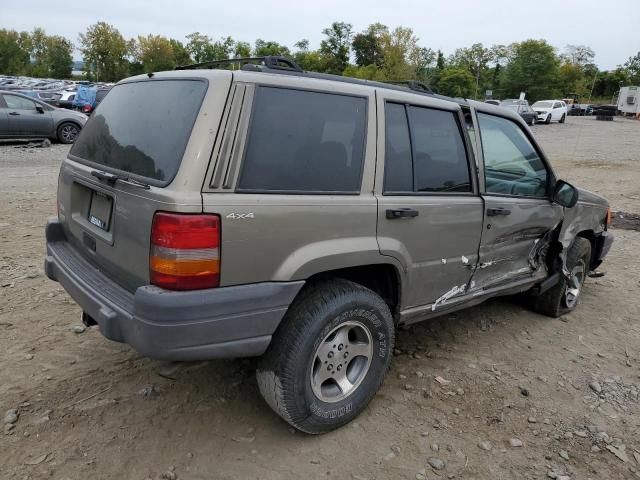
272	62
411	85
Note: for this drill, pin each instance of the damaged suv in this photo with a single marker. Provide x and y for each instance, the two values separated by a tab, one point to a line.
301	218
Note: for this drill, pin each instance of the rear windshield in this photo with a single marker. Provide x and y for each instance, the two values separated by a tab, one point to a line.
542	105
142	128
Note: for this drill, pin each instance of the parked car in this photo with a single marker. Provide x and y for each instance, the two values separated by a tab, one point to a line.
88	108
66	99
302	218
25	117
522	108
579	109
550	110
49	97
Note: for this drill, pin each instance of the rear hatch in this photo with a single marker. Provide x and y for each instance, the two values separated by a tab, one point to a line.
145	149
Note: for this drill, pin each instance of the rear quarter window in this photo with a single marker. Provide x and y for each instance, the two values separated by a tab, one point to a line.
304	142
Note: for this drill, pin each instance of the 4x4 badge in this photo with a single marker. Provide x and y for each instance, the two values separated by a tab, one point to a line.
240	216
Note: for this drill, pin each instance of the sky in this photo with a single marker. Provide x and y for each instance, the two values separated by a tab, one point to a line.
611	28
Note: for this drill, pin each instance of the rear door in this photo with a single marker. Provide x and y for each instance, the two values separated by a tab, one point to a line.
25	120
518	212
429	212
156	132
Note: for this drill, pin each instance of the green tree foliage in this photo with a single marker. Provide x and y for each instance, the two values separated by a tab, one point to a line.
532	68
105	52
475	60
336	46
14	52
59	57
242	49
198	46
578	55
180	53
456	82
155	52
367	45
264	48
633	67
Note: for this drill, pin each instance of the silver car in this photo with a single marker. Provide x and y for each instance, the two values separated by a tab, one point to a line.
25	117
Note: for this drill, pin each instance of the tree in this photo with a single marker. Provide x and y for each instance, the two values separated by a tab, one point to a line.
475	60
105	52
336	46
180	53
14	52
38	53
155	52
532	68
367	45
366	72
198	46
398	50
633	67
456	82
242	50
59	57
578	54
264	48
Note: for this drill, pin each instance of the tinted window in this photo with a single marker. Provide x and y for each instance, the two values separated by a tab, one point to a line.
440	159
512	165
304	141
142	127
398	170
19	103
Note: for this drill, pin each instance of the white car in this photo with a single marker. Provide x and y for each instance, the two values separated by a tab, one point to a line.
550	110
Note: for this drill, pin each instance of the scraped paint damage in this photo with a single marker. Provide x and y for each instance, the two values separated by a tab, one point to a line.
456	290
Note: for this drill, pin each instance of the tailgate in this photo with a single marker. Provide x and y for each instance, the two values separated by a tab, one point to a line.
145	149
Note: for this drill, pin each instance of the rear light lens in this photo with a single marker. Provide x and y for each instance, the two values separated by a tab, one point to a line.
86	109
185	251
609	217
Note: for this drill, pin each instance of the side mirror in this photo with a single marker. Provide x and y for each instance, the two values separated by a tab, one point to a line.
565	194
39	109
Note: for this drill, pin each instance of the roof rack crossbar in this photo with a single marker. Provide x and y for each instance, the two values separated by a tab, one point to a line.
411	85
273	62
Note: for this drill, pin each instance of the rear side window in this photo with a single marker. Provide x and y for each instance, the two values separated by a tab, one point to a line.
303	141
142	128
424	151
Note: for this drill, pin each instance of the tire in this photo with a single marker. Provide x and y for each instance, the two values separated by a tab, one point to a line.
533	121
68	132
559	299
548	120
563	118
295	375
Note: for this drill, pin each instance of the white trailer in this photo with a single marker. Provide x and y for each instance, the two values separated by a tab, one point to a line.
629	100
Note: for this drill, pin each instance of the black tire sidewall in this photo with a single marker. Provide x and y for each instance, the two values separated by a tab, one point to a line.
60	137
321	415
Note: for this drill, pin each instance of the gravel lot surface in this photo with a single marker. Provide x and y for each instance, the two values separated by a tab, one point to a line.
525	396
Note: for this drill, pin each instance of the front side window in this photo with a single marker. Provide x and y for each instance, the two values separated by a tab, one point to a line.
304	141
19	103
424	151
512	165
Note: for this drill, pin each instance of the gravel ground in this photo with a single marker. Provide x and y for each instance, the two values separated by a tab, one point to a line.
526	396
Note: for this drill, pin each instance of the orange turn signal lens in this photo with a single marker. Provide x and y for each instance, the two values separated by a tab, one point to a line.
609	217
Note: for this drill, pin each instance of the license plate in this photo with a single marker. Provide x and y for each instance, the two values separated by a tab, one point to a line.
100	210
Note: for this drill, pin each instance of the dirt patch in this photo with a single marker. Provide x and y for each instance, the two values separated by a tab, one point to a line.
626	221
523	396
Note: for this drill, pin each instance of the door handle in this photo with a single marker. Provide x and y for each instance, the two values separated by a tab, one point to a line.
14	113
401	213
494	212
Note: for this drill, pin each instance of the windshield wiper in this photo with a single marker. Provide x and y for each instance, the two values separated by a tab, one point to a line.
111	179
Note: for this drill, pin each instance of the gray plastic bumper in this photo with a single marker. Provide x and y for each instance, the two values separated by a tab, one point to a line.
222	322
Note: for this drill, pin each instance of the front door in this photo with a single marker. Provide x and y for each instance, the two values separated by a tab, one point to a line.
24	119
518	213
429	211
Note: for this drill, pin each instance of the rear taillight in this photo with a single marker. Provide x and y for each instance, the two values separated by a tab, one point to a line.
86	109
185	251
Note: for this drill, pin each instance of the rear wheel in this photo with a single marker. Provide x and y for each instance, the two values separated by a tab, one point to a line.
67	132
328	357
563	297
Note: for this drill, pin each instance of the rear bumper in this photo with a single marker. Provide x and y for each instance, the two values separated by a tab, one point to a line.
196	325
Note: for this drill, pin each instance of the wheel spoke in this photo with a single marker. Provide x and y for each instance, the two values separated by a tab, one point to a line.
323	351
359	350
573	292
322	375
344	383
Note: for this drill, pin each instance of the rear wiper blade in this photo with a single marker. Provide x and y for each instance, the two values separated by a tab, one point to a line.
111	179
